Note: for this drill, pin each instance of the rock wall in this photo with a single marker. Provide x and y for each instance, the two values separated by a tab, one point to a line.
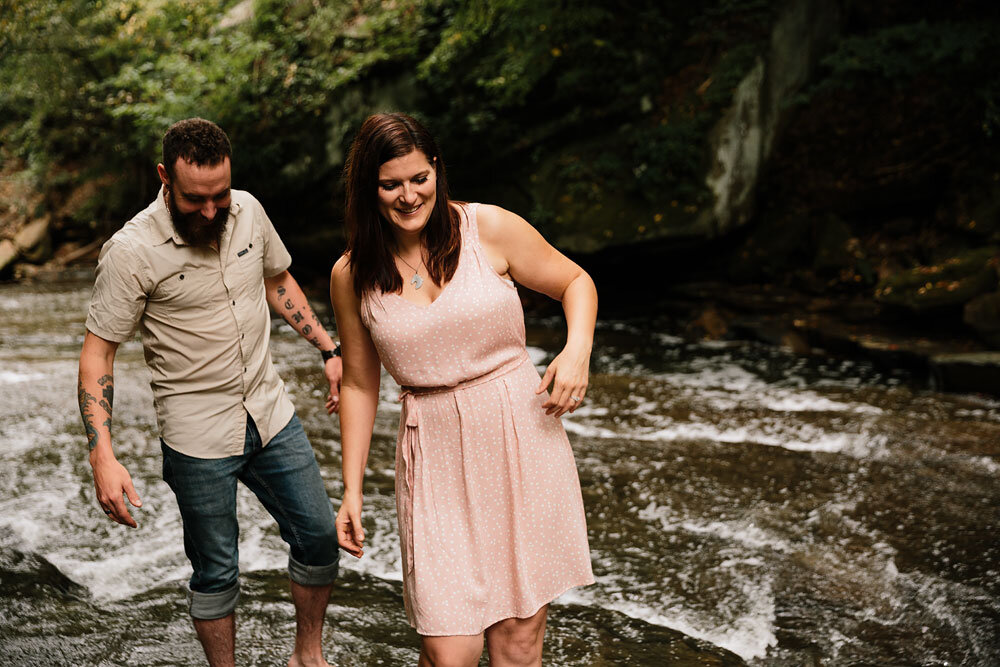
744	137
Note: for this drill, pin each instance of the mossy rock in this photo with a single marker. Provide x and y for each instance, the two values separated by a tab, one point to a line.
952	282
584	201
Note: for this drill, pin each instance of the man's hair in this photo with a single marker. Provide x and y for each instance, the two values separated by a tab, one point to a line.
196	140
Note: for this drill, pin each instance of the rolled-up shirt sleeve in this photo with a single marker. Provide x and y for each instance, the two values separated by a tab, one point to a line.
120	291
276	256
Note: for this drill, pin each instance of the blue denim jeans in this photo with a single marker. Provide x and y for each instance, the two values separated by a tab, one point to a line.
285	477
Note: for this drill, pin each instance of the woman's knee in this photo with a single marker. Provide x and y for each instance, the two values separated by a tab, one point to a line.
518	648
458	651
517	641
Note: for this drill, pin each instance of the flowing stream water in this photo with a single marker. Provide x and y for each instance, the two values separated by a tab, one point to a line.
775	509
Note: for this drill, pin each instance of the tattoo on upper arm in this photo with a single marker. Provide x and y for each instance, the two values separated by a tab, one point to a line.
307	329
281	290
297	316
288	304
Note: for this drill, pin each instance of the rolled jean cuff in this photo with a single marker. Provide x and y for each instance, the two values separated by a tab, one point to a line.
313	575
210	606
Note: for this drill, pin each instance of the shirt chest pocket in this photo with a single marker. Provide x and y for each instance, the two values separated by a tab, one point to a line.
189	290
247	268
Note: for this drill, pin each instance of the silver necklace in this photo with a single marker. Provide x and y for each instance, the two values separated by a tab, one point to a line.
416	280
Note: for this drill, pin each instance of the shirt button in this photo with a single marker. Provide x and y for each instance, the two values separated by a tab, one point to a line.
234	303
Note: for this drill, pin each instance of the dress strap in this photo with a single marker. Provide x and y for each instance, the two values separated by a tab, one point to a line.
470	233
471	223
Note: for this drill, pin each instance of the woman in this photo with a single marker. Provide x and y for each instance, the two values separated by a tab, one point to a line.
490	514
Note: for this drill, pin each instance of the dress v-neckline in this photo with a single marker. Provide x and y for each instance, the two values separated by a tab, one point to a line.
444	289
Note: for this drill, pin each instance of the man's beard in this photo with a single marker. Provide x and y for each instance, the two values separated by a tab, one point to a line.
192	226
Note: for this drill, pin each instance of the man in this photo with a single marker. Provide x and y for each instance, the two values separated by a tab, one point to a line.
195	273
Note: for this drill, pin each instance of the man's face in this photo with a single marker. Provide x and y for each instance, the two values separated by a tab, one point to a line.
198	198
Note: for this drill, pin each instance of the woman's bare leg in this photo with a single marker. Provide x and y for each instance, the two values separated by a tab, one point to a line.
517	642
454	651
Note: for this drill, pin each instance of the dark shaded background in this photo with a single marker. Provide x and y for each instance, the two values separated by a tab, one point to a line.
874	201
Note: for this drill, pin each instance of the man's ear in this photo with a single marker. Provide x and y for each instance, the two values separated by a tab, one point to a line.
161	171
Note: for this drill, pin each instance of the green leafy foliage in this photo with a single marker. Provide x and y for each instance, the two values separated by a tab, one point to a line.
90	85
956	57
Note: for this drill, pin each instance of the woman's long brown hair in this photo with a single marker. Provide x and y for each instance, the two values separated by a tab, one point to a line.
370	240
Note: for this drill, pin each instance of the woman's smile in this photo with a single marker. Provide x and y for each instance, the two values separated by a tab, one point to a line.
407	191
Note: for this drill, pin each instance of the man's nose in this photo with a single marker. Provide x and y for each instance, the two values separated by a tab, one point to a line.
208	210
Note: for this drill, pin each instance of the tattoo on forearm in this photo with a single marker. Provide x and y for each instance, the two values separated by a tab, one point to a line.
108	393
86	400
296	319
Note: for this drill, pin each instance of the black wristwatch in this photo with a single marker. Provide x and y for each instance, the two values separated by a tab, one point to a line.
330	354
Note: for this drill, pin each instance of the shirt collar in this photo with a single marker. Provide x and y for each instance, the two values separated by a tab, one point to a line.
164	226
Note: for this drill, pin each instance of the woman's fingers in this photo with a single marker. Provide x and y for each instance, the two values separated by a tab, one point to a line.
569	385
561	399
350	534
579	394
345	536
547	378
569	398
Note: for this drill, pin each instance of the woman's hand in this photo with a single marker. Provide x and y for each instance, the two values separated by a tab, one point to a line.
350	534
569	374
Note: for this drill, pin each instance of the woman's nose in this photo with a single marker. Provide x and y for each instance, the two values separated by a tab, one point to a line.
409	193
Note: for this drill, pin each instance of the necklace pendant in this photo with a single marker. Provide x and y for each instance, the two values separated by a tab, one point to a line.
417	281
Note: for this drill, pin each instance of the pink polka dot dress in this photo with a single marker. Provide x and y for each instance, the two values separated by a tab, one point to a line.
490	514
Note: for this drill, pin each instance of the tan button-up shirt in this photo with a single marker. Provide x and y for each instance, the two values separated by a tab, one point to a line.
204	323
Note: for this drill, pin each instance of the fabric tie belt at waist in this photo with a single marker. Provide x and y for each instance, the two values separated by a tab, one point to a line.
411	439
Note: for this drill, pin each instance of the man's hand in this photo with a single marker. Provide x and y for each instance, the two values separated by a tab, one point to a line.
333	368
113	482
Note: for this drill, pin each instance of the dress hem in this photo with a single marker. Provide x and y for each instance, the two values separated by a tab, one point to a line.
534	610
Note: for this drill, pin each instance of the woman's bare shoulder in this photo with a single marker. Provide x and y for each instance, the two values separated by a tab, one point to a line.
341	273
495	221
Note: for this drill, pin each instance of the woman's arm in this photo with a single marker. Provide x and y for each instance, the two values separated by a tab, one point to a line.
358	402
517	250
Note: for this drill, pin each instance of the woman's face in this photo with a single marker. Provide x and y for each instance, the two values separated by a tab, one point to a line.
407	191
